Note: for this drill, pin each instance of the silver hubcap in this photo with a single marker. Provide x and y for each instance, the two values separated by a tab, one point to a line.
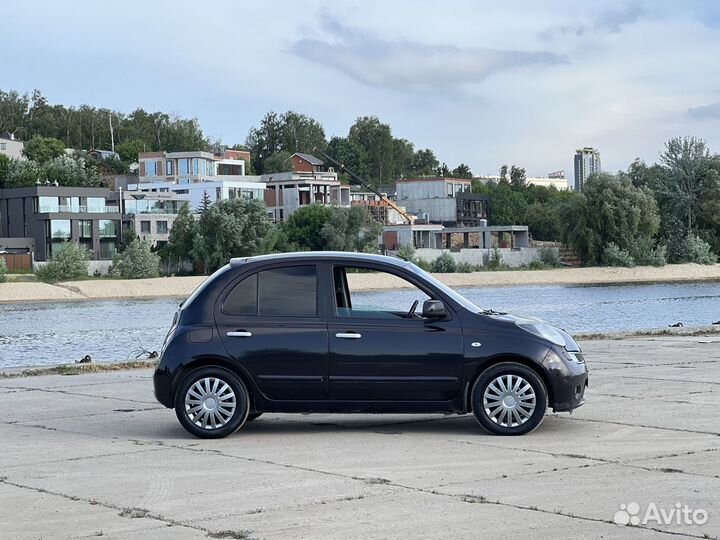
210	403
509	400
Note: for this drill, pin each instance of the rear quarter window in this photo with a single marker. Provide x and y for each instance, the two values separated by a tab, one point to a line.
278	292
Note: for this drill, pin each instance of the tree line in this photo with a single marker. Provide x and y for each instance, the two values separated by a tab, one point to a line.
649	214
369	149
242	228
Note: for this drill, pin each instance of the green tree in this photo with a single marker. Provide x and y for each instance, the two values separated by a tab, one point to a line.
287	133
517	177
351	229
543	221
611	210
462	171
129	150
443	170
3	270
180	241
424	162
503	172
507	205
233	228
300	133
5	164
68	171
278	162
43	149
688	175
303	228
136	262
373	149
70	262
205	203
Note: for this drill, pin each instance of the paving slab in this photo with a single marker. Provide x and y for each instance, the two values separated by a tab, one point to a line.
24	446
28	514
186	485
705	463
406	514
597	493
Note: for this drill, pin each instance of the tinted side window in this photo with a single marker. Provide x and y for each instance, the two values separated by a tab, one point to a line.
288	292
242	300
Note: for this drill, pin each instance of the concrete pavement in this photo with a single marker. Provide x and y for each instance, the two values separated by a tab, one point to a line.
95	455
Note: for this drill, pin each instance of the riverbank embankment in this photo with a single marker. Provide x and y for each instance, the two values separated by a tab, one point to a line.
182	287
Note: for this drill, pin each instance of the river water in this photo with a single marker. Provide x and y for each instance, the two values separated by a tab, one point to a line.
33	334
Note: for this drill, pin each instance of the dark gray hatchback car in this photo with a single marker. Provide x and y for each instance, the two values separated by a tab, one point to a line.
295	333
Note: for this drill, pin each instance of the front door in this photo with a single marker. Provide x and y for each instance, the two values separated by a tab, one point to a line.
271	326
381	352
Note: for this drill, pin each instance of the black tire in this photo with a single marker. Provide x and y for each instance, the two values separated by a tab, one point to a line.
253	416
493	416
222	399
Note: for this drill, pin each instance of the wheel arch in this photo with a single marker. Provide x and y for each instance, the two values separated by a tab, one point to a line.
214	361
534	366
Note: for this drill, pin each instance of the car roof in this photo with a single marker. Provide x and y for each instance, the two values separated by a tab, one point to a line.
320	255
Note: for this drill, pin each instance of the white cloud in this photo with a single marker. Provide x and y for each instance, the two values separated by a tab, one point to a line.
407	65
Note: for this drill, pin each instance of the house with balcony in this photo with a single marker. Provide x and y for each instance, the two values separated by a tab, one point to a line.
149	215
49	216
195	175
308	183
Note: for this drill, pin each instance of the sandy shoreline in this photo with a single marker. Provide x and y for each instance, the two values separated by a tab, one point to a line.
181	287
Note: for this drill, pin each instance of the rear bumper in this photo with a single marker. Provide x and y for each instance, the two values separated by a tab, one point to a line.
569	379
162	386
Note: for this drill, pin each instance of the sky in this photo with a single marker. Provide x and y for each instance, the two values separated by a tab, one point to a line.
484	83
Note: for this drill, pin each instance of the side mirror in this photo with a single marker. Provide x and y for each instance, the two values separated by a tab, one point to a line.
434	309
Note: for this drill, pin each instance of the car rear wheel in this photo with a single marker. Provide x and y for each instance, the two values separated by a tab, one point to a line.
211	403
509	399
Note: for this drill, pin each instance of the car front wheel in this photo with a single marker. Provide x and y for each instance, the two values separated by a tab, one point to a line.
211	403
509	399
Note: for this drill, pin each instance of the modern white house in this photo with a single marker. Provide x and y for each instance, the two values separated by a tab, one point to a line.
197	174
249	187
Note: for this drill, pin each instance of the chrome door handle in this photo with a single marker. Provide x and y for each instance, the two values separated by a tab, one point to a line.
239	334
348	335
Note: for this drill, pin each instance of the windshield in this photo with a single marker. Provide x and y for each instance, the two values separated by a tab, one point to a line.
460	299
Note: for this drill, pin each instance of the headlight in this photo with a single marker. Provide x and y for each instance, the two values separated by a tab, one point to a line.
544	331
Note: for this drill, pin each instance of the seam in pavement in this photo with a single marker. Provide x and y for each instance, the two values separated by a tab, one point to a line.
4	387
679	430
91	415
669	380
80	458
655	398
627	463
94	502
57	391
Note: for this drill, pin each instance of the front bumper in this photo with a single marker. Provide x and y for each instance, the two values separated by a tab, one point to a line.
568	380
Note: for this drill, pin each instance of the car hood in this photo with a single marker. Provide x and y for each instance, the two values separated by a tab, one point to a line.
570	343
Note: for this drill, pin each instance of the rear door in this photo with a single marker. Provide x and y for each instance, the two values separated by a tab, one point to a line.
272	326
379	353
